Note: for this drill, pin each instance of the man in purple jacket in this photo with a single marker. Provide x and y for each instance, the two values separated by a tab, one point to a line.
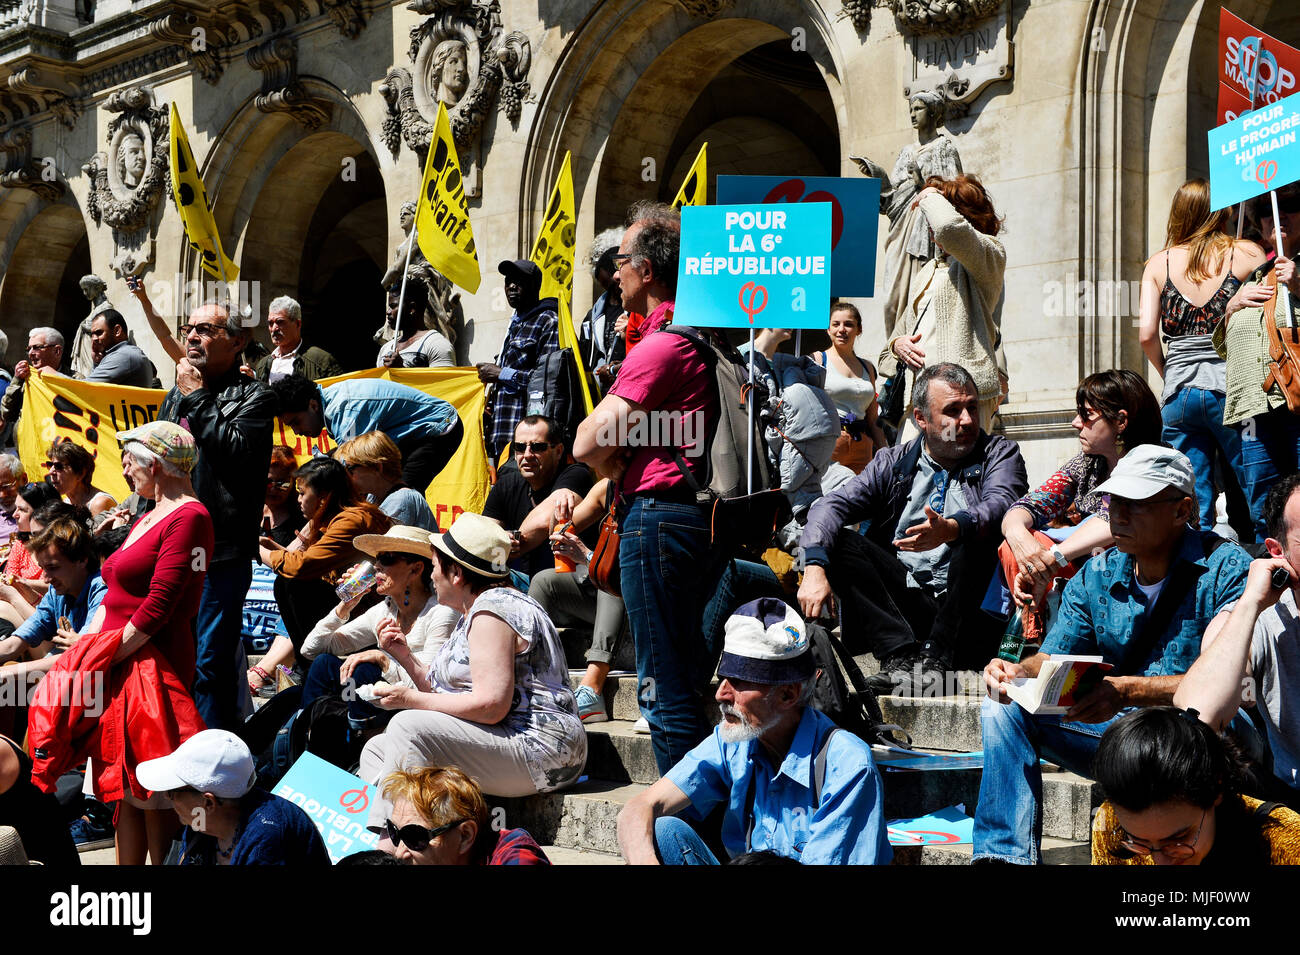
911	583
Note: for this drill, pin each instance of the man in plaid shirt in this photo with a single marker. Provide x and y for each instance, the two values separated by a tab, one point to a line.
533	334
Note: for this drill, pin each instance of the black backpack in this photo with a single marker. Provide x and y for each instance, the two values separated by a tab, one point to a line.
554	390
856	710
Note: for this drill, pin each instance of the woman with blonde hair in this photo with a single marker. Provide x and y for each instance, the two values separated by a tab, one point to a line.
1186	287
374	466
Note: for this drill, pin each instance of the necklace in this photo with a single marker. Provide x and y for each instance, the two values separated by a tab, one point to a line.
234	838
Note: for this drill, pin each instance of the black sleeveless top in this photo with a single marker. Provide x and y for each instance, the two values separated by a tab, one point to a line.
37	817
1179	317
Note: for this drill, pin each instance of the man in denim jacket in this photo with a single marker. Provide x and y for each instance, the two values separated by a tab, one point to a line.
1141	606
910	584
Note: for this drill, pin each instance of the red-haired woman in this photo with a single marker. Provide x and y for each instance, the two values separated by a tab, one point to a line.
952	303
1200	263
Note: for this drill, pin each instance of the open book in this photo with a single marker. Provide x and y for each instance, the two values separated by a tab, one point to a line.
1060	683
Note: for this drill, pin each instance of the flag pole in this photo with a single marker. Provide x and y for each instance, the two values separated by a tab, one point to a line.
798	342
401	295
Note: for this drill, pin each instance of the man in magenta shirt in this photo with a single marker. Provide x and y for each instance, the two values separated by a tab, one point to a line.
663	401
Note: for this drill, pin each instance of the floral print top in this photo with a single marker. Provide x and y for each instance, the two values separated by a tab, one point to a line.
543	711
1069	495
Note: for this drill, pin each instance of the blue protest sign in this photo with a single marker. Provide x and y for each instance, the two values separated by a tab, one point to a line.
1256	152
755	266
337	801
855	219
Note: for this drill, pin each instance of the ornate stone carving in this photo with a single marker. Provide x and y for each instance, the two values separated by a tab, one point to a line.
49	91
201	42
859	11
20	172
960	61
82	354
129	180
707	9
459	56
348	15
942	16
277	60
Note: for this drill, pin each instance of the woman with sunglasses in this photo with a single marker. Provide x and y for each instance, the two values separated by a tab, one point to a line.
1173	797
496	700
72	468
282	518
439	817
308	569
343	651
22	585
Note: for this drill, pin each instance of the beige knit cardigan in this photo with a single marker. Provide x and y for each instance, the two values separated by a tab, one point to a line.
967	285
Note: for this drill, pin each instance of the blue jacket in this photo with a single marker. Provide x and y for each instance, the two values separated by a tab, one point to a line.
992	478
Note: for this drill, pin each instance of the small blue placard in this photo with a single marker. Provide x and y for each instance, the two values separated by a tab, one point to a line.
337	801
1256	152
755	266
855	219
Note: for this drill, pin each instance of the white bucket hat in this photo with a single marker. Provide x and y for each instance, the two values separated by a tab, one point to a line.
477	543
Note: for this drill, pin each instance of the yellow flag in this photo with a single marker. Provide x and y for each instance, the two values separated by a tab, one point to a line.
569	339
695	190
192	203
442	217
558	239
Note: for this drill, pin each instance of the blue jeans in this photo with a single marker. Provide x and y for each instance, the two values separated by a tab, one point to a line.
1009	817
323	680
678	844
1194	425
1270	445
219	683
667	575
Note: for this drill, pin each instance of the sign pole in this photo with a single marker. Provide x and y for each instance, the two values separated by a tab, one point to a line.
749	406
1283	293
798	342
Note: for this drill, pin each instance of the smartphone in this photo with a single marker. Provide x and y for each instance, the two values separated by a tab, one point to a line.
132	282
1280	579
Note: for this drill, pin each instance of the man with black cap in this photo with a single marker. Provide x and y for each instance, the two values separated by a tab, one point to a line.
533	334
793	783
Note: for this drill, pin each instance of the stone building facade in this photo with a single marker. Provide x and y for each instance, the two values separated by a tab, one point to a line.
308	120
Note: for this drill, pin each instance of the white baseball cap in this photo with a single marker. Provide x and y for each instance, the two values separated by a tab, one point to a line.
213	761
1147	470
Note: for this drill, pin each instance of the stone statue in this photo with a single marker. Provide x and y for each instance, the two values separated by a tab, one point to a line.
131	160
450	73
93	287
442	303
909	244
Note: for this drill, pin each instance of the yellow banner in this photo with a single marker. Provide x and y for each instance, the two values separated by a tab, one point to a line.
557	241
695	190
192	203
91	414
442	215
569	339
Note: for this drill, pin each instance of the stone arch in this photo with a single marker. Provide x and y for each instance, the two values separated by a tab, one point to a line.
624	89
305	213
46	251
1148	81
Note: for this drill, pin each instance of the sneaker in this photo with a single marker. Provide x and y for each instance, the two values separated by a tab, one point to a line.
591	705
91	834
641	726
894	669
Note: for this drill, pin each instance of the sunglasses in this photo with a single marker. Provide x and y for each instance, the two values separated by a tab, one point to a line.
389	559
55	466
203	330
416	838
537	447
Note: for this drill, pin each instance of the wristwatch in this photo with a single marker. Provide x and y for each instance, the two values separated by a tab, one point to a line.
1058	557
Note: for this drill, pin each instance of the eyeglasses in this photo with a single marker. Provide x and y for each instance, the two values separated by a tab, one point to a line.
203	330
537	447
621	257
278	485
416	838
389	559
41	347
1170	850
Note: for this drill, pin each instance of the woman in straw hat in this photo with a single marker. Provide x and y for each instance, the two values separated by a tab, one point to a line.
410	610
496	700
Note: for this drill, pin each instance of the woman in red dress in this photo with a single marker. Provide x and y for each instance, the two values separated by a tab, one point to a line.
154	583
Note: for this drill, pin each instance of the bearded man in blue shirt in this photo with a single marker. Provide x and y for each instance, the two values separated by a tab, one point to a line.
792	783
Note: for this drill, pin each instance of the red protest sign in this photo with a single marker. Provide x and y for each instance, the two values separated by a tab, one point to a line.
1245	52
1231	104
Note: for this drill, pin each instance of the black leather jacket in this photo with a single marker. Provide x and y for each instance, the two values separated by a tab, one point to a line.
231	423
